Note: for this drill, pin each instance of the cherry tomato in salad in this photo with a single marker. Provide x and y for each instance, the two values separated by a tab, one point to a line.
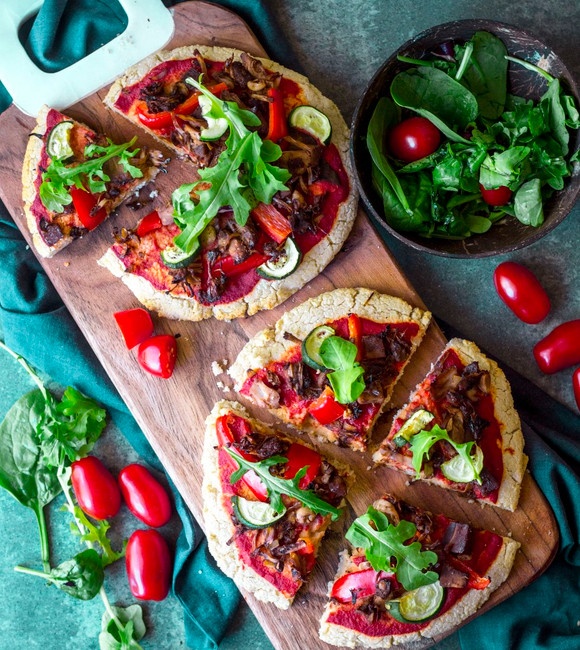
145	497
135	324
521	291
576	386
95	488
149	565
560	349
497	196
413	139
157	355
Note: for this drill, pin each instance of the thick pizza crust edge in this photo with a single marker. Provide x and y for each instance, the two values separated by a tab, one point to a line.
515	461
269	344
463	609
266	294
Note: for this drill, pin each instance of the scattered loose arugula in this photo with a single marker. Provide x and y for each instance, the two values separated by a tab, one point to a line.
493	139
422	442
57	180
387	548
242	177
278	486
339	355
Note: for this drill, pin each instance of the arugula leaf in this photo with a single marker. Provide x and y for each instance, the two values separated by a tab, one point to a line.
339	355
386	548
422	442
95	534
131	631
278	486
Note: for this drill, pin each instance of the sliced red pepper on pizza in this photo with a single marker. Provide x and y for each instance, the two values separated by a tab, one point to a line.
73	177
267	503
411	575
329	366
460	429
271	200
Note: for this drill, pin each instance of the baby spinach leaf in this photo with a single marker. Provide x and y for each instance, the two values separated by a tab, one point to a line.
503	168
132	629
572	115
436	96
551	100
528	203
339	355
387	548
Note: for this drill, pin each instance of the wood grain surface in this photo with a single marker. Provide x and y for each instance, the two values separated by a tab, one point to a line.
171	413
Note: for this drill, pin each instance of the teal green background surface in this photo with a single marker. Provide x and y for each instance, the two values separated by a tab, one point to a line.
339	45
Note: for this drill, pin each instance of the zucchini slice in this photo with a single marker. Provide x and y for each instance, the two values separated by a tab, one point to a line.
418	605
416	423
458	470
215	127
58	143
311	346
255	514
310	119
175	258
286	263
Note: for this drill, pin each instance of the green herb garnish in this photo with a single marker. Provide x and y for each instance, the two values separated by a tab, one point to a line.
386	548
242	177
277	486
339	355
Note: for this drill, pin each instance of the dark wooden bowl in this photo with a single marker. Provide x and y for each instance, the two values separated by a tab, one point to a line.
510	234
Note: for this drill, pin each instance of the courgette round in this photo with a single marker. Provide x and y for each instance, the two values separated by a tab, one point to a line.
418	605
216	127
310	119
458	470
311	346
416	423
255	514
176	258
284	265
58	142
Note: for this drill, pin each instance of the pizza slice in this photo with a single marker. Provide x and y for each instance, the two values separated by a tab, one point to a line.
73	177
267	502
329	366
460	429
411	575
271	198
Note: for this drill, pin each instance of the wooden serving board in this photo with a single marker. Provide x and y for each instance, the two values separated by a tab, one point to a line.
171	413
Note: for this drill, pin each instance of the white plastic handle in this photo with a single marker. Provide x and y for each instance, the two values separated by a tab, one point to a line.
150	26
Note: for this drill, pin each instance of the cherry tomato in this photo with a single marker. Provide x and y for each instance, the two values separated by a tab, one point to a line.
521	291
95	488
414	139
135	324
149	565
149	223
145	496
84	202
157	355
576	385
560	349
496	197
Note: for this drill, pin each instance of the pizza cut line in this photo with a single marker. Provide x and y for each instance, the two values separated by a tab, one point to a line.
460	429
267	552
388	598
281	367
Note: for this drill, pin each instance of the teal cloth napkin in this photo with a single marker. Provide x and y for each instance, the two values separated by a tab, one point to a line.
544	615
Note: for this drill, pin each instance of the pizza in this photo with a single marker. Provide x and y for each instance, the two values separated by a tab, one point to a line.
441	572
460	429
329	366
265	539
60	204
255	250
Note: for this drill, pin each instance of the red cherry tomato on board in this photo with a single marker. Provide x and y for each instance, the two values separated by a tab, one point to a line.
521	291
496	197
157	355
560	349
95	488
135	324
413	139
149	565
144	495
576	386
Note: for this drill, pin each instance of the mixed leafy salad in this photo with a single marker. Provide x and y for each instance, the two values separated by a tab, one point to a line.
472	153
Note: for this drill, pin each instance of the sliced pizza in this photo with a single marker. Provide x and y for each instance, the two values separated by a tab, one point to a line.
460	429
410	576
73	177
267	502
272	197
329	366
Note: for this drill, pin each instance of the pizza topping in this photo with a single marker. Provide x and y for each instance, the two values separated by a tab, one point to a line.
452	577
58	143
264	395
418	605
457	537
313	121
311	346
340	355
283	264
255	514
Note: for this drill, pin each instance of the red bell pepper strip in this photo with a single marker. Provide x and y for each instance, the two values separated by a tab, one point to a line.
272	222
359	584
135	324
164	119
84	202
355	334
475	581
298	457
229	268
326	409
149	223
277	127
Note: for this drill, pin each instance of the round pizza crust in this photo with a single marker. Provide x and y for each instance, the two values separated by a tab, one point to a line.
266	294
